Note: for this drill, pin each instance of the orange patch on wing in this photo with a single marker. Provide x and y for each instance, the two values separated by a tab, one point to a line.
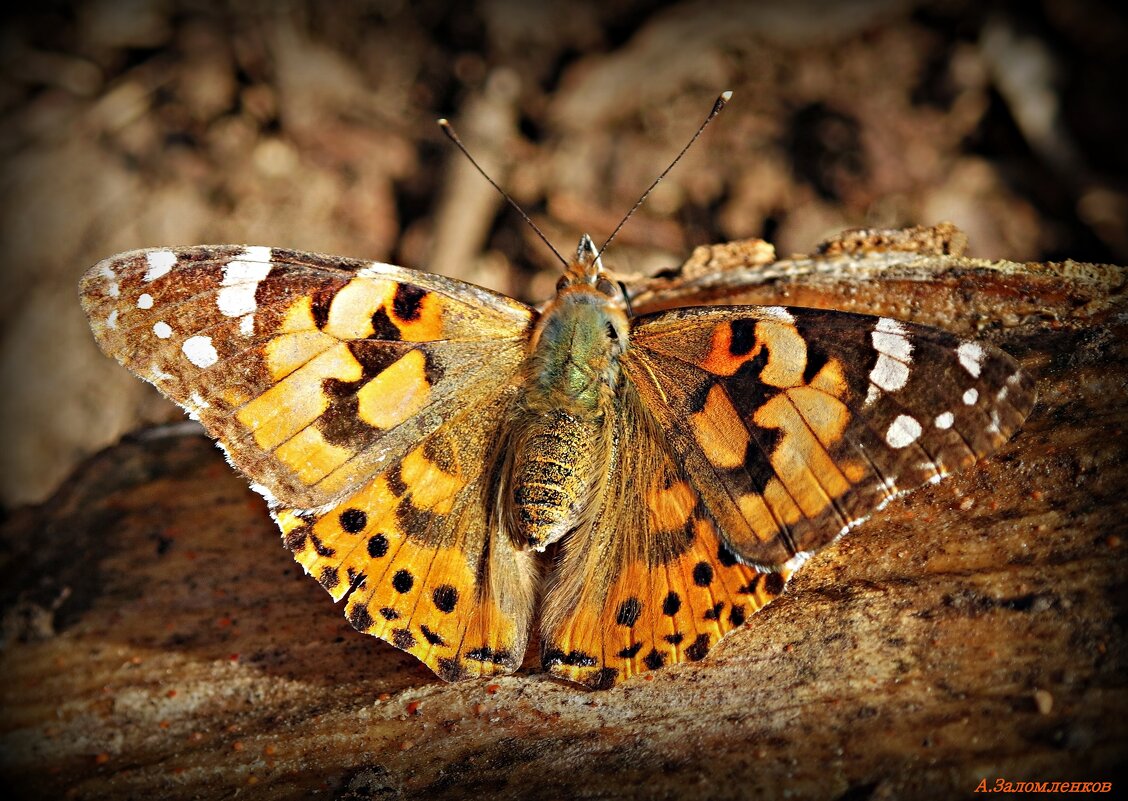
310	456
396	394
719	430
297	400
431	488
670	507
351	310
427	324
653	616
787	353
755	510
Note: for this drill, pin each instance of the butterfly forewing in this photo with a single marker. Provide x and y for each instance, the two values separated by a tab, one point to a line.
313	372
796	424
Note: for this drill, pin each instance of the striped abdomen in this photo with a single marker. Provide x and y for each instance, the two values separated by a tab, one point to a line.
556	468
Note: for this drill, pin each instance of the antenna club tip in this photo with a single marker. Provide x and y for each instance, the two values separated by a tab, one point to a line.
443	122
726	96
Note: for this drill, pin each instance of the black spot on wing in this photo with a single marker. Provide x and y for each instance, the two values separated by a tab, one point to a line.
630	651
377	546
388	613
654	660
431	636
321	549
383	328
329	577
403	581
675	638
603	679
353	520
628	612
296	539
408	302
702	574
360	618
773	583
402	638
450	669
743	337
725	556
736	615
672	604
445	598
700	647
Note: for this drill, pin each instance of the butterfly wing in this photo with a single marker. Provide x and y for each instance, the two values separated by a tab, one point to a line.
420	556
650	582
756	436
314	372
363	400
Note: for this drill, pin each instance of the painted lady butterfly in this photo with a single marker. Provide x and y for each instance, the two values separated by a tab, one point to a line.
419	439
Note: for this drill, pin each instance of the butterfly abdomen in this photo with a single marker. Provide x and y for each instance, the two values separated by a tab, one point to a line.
555	467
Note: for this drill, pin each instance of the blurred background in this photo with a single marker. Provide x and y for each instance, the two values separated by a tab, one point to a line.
138	123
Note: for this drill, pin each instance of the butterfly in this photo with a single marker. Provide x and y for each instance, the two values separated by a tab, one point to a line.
420	440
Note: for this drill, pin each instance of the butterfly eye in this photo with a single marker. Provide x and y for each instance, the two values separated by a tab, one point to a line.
563	282
606	287
612	334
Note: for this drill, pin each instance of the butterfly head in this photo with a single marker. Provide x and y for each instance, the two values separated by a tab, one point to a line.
586	273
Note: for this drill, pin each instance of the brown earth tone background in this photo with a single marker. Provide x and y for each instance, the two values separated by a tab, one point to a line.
158	641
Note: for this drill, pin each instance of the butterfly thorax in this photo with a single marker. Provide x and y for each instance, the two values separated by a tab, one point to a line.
561	443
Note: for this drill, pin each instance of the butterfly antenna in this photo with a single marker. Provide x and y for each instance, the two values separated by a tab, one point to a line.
718	106
452	136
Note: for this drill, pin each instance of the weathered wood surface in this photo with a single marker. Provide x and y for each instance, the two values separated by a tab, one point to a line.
159	642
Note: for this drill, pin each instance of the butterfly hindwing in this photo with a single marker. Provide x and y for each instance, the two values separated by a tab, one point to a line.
312	371
650	582
423	564
796	424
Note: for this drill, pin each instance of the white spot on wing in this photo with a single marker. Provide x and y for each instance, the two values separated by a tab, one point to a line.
247	325
971	396
895	345
111	319
872	394
945	420
200	351
241	278
890	326
971	357
894	355
145	301
902	432
377	269
162	329
160	262
112	289
889	374
778	313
